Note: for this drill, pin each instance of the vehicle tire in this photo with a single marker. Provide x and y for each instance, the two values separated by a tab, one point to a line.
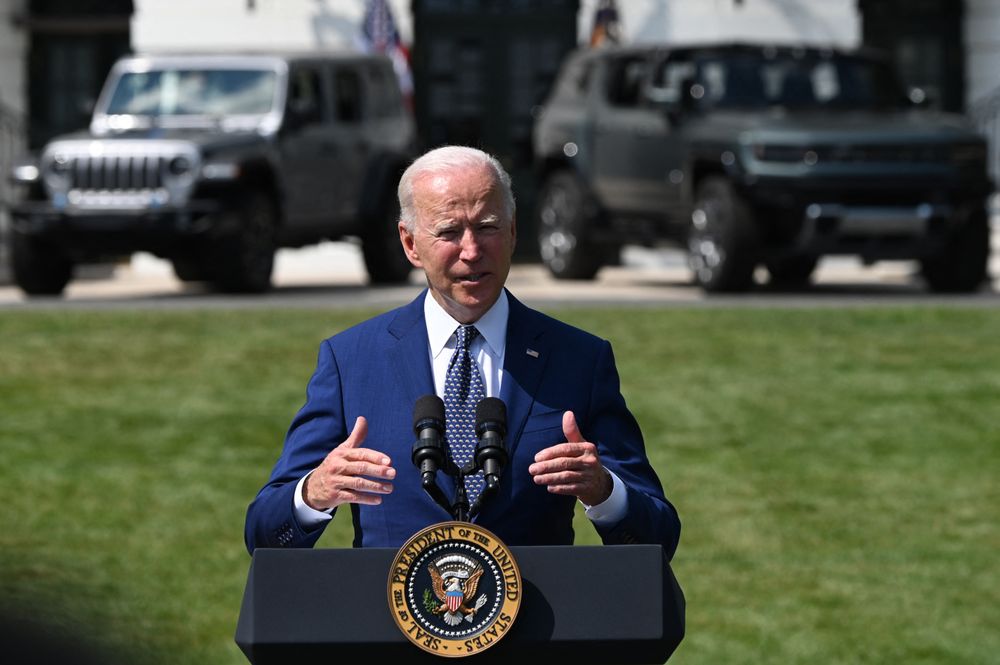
793	271
722	238
383	252
190	269
39	269
962	266
567	215
244	259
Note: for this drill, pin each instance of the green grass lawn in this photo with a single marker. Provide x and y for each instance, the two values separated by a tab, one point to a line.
836	471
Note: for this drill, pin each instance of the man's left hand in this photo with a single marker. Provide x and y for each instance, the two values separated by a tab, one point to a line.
573	468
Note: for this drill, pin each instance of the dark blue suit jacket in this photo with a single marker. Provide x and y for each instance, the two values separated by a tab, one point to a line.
379	368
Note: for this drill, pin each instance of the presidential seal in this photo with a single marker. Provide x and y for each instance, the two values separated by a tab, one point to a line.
454	589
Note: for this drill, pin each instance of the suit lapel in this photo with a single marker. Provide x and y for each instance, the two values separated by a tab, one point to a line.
411	357
526	355
409	354
525	358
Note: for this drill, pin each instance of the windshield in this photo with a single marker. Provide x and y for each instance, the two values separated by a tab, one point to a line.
745	81
194	92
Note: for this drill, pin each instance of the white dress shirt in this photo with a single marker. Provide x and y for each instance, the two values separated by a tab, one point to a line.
488	350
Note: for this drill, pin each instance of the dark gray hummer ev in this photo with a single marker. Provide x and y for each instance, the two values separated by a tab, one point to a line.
756	155
215	161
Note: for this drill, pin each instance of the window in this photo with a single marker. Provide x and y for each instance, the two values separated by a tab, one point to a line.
670	80
626	80
347	97
194	92
305	95
575	81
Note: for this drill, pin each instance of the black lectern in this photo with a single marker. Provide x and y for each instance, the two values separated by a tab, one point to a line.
610	604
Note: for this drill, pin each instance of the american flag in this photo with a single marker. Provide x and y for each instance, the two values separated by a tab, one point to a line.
607	27
379	35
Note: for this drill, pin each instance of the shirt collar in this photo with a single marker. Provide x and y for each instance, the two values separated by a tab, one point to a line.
492	325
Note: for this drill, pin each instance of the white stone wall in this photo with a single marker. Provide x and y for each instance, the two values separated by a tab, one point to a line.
982	49
982	73
199	25
13	55
13	101
821	22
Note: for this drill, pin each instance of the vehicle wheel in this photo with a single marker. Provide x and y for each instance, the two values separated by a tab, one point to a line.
794	271
722	238
189	269
962	265
40	270
243	260
383	252
567	214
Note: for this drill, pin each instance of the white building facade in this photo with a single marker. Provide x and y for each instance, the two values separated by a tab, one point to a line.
219	25
823	22
160	25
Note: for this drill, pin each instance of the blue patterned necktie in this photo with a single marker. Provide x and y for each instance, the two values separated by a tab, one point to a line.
463	389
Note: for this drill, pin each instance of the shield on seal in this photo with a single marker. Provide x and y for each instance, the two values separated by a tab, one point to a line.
454	600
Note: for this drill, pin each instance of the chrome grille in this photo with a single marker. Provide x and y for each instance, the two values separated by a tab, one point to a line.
116	172
120	174
926	154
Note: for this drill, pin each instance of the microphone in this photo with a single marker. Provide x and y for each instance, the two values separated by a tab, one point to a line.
428	425
491	428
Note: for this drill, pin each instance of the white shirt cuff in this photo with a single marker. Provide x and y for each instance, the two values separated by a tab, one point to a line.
612	510
310	517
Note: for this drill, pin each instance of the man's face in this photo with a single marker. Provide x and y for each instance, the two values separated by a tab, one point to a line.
461	239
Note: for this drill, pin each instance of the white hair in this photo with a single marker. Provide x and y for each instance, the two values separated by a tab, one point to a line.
444	159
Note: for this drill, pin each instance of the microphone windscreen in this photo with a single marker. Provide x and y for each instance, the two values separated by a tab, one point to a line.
428	407
491	410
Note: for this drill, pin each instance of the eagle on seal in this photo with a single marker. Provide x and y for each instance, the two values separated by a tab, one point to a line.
455	579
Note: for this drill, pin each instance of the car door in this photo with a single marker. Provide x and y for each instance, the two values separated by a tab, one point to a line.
305	144
635	155
664	95
349	129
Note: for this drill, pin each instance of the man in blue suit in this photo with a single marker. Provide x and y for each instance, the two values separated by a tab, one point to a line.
569	433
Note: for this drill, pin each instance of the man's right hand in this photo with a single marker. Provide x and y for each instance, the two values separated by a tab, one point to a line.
349	474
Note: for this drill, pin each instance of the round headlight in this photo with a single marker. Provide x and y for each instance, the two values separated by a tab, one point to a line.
60	165
179	165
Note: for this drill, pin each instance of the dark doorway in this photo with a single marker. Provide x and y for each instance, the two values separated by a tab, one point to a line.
73	44
925	39
481	69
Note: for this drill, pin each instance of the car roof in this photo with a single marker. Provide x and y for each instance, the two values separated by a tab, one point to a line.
734	48
242	59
